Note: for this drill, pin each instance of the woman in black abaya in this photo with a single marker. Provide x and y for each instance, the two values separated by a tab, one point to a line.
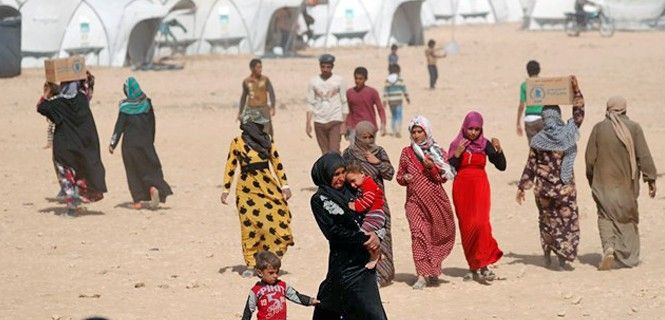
350	290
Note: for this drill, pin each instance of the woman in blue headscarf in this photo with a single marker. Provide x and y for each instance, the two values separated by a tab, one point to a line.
144	171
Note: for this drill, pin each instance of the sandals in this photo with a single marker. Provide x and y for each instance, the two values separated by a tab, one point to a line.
420	283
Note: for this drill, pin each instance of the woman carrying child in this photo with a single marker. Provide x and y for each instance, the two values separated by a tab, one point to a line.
469	152
350	289
423	170
375	163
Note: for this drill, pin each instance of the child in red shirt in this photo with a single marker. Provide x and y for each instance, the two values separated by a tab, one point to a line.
370	203
269	295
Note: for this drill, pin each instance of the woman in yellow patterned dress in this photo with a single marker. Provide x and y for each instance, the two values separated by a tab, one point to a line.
260	198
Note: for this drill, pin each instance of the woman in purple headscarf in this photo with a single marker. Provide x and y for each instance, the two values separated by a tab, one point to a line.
471	195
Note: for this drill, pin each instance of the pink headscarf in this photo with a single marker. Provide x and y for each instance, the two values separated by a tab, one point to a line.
472	119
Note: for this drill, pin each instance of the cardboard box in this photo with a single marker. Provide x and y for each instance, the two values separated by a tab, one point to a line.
549	91
65	69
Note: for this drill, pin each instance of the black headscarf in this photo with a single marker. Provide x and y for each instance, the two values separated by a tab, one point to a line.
253	135
322	174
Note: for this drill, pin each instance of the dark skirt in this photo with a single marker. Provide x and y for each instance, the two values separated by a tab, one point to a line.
354	297
144	171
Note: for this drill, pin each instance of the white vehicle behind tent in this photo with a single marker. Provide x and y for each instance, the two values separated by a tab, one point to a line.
110	33
242	26
10	39
379	23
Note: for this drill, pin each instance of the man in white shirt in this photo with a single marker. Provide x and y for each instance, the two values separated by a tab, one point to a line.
326	98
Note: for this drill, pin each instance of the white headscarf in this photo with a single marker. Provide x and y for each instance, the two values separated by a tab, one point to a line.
430	148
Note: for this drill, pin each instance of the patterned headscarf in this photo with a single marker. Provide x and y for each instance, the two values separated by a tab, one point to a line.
616	106
68	90
557	135
429	147
137	101
472	119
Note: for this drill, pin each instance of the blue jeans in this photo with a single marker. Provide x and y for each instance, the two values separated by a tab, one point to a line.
396	118
433	75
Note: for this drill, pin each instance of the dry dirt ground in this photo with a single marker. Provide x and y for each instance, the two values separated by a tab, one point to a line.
186	254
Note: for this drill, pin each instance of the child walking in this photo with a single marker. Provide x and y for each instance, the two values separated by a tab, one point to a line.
394	94
268	296
370	203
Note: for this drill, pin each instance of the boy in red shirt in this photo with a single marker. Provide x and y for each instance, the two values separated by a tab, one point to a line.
370	203
269	295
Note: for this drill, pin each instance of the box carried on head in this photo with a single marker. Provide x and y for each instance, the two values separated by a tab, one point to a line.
65	69
549	91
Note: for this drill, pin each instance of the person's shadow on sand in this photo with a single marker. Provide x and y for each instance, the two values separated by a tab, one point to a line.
128	205
529	259
58	211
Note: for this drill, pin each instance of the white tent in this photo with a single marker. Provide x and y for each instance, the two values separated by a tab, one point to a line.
242	26
378	23
112	33
550	14
470	11
627	14
635	14
10	39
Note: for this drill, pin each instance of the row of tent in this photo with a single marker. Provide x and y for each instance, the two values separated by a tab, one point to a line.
130	32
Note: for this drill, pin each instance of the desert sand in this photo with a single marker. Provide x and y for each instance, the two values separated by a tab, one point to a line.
181	262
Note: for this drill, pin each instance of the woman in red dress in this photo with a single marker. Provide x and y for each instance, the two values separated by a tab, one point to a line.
422	169
471	195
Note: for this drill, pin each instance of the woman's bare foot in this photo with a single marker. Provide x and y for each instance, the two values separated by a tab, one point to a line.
608	260
136	205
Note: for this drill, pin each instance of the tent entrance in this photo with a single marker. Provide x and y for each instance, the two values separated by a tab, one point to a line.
406	26
282	31
140	48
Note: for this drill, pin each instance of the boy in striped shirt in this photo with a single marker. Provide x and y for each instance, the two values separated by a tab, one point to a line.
370	203
394	94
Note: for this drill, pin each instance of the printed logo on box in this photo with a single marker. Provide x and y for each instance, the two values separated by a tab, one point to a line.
77	67
537	93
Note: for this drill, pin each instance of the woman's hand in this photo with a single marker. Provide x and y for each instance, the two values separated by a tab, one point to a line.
373	242
497	145
520	196
428	163
371	158
461	148
47	93
225	197
652	189
286	192
407	177
313	301
352	206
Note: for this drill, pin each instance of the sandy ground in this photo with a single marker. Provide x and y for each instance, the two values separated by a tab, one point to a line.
187	253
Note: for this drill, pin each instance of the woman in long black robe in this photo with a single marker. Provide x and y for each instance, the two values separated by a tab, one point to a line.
136	121
75	144
350	290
